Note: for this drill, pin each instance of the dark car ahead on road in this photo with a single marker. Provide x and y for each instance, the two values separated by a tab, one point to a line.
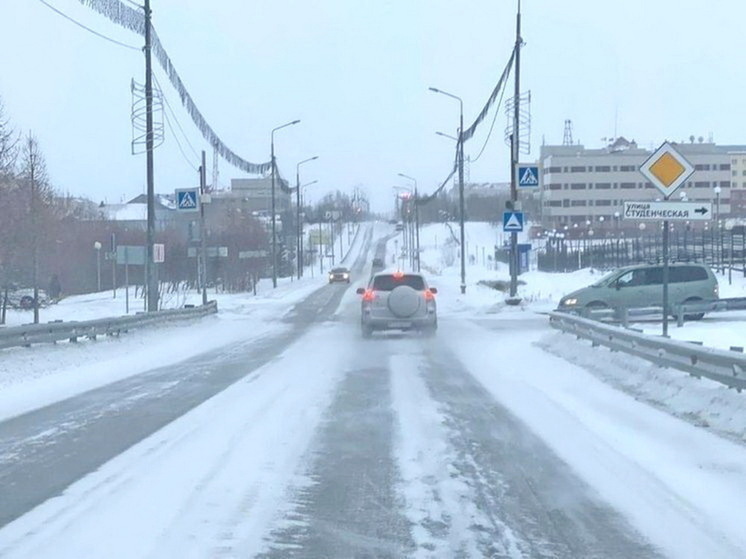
339	275
378	262
398	301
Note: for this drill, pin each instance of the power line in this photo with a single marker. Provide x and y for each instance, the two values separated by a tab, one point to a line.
67	17
494	120
173	114
181	149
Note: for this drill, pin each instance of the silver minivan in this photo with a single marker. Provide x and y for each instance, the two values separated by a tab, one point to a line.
642	286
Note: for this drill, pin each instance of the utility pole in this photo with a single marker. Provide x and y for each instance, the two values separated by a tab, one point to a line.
515	151
461	198
32	154
274	215
274	226
417	225
202	228
150	280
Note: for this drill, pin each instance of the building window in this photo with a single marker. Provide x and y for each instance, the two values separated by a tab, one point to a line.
628	168
555	186
648	185
734	173
578	186
702	167
565	203
555	204
603	185
552	170
725	167
734	161
577	203
603	202
628	185
577	169
702	184
725	184
603	169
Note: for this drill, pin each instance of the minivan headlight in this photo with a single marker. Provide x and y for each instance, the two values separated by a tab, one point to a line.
570	302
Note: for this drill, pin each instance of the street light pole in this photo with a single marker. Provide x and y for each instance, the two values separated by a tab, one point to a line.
202	227
299	240
274	217
416	221
97	246
460	148
718	244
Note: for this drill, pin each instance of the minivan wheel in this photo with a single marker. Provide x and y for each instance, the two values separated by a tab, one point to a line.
694	316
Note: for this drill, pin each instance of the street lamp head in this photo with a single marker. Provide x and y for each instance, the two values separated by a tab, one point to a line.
295	122
717	190
97	245
434	89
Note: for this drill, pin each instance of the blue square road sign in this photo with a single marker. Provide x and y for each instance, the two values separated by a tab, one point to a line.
187	199
512	222
528	176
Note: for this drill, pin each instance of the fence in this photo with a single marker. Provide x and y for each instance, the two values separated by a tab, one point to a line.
724	249
25	336
725	367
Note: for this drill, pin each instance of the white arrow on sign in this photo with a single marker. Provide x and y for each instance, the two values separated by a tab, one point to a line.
672	211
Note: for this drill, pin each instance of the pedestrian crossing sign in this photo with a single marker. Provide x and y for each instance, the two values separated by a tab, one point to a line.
512	222
528	176
187	199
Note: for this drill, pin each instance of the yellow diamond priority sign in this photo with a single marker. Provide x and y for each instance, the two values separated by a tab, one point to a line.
667	169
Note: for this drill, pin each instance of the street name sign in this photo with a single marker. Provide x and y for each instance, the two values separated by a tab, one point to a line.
512	222
253	254
131	255
672	211
528	176
667	169
187	199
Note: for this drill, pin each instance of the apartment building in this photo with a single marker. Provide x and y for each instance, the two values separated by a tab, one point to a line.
580	185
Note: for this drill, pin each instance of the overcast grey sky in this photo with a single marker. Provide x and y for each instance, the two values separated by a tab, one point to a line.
357	72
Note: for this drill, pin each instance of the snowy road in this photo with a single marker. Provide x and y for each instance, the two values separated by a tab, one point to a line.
314	442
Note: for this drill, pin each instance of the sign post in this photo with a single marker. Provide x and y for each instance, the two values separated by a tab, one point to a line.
667	170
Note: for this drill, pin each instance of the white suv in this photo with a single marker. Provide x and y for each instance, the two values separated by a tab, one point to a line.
398	301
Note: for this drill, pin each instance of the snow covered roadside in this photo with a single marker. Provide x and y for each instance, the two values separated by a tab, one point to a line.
702	402
34	377
198	487
680	485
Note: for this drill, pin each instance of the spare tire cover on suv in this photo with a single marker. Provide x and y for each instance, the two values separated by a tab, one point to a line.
404	301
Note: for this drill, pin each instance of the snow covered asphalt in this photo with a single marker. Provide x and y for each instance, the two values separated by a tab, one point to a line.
296	437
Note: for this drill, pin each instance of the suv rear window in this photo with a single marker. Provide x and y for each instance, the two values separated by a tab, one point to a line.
389	282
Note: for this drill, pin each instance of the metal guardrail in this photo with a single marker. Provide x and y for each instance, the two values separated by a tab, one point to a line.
27	335
725	367
680	312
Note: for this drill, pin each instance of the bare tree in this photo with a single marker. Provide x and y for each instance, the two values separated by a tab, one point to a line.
8	146
34	176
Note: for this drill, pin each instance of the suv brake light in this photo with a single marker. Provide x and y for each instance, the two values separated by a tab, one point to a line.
429	295
369	295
